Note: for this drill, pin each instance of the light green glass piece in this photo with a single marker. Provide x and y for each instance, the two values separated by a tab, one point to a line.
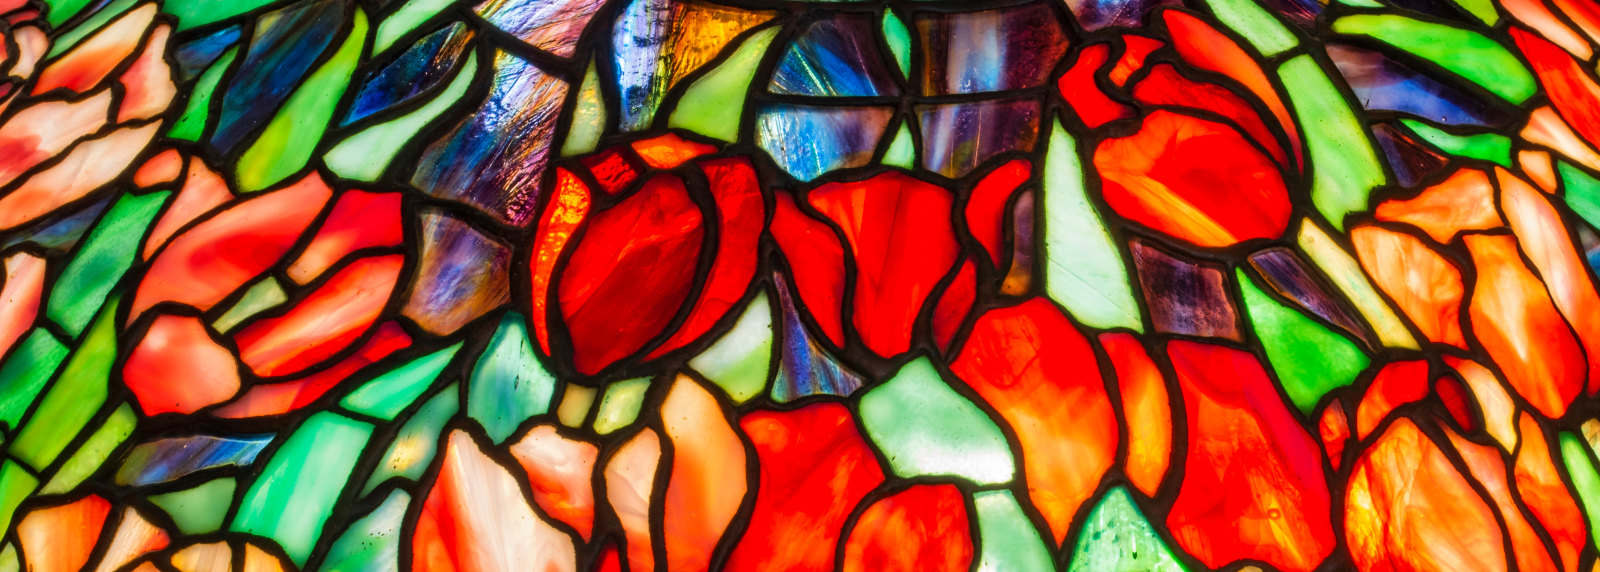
417	441
902	151
25	372
1346	274
588	118
106	254
367	154
899	39
1344	167
60	11
508	385
291	136
201	508
263	295
1118	538
620	405
16	484
75	396
192	13
1491	147
1466	53
387	395
192	124
1362	3
1581	191
405	19
1083	269
1258	26
1310	360
66	39
94	451
575	404
372	544
739	361
714	104
1009	540
9	562
925	428
1481	9
295	494
1585	479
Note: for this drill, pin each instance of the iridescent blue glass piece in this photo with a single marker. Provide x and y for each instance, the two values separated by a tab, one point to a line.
61	230
808	140
493	158
461	274
991	50
1383	84
285	46
957	137
550	25
195	55
420	68
805	368
835	57
169	459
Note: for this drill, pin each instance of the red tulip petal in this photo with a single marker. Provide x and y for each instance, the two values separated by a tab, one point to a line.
954	305
986	207
1421	282
276	398
1464	201
1543	236
359	219
91	61
1334	428
1146	407
1396	384
1135	50
325	322
475	517
1079	88
741	214
1514	319
1202	45
203	190
178	366
612	168
923	527
1570	88
1165	86
148	82
569	204
816	261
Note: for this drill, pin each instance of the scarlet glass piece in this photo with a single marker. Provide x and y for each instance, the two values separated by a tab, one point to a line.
1078	86
924	527
1397	384
180	347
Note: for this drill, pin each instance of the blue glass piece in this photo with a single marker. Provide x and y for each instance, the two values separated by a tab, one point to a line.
957	137
1292	278
550	25
836	57
804	367
991	50
639	37
285	45
808	140
461	274
60	231
418	69
166	460
493	158
1387	85
196	55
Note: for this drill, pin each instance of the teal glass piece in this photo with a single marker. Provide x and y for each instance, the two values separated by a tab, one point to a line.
508	385
1084	270
1009	540
1117	538
199	509
74	398
295	493
193	13
390	393
106	254
417	441
925	428
371	544
25	372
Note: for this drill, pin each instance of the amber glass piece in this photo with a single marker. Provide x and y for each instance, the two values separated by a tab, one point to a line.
1397	384
165	167
1463	201
1542	234
180	347
1519	327
569	204
1078	87
326	321
1146	407
669	150
816	261
1334	428
1540	487
1389	521
62	537
924	527
1253	484
814	469
1486	466
1195	180
1499	413
1039	373
708	475
147	83
1421	282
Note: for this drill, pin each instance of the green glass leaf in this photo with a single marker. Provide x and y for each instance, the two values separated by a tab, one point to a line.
925	428
714	104
65	39
9	562
25	372
588	118
1346	274
371	544
294	495
263	295
291	136
367	154
899	39
1466	53
1581	191
106	254
902	150
1491	147
1118	538
1585	479
508	385
1344	167
1310	359
94	451
1258	26
1084	271
75	396
405	19
62	10
620	405
417	441
387	395
194	13
1009	540
738	362
201	508
16	484
197	113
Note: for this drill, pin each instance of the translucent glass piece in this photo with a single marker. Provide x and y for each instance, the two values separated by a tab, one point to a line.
417	441
199	509
1184	297
1286	273
656	43
549	25
16	484
1083	268
420	68
264	294
1344	167
106	254
990	50
835	57
74	398
957	137
1582	192
493	158
197	113
1343	271
25	371
1309	359
371	544
283	48
619	407
1491	147
808	141
714	104
393	391
588	117
462	274
804	367
576	401
1466	53
295	492
738	361
1256	24
1118	538
508	383
196	55
193	13
404	19
902	151
1381	83
94	451
1009	539
172	458
1585	478
925	428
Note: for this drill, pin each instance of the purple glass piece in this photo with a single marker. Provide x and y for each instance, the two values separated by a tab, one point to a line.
957	137
550	25
1184	297
461	274
991	50
1291	278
